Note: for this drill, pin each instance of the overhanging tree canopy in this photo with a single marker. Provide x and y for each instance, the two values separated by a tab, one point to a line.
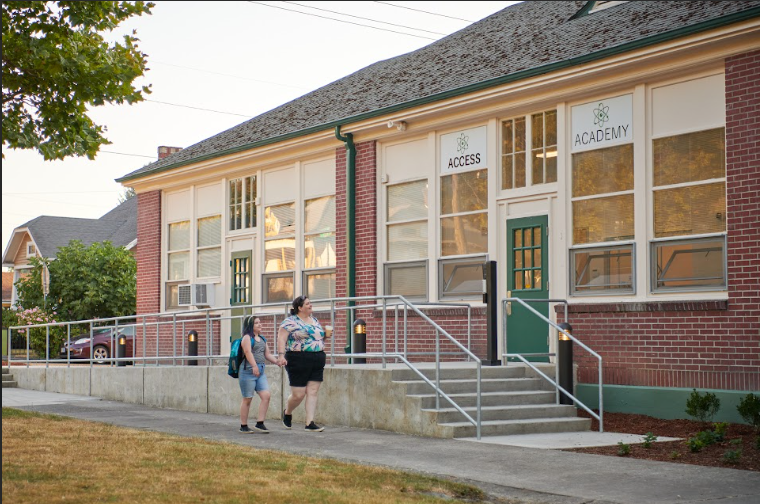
56	64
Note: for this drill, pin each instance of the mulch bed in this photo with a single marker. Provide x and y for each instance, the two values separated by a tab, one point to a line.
738	437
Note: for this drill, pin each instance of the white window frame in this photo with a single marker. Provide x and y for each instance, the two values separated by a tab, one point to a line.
417	264
631	245
200	248
265	276
327	270
468	260
31	249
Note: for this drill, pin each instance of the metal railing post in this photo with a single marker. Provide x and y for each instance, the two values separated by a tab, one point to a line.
174	339
437	371
385	334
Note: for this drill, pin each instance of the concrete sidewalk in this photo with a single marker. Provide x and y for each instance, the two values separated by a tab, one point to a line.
528	474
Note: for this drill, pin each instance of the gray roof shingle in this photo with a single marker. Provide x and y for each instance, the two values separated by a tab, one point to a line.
523	38
119	226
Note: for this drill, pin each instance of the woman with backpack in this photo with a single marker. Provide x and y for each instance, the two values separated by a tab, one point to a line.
252	377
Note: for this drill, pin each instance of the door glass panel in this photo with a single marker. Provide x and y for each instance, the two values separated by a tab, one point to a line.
528	258
537	257
518	280
537	236
518	259
537	279
528	283
518	239
528	241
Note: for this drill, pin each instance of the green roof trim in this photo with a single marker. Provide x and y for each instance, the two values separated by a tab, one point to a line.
584	10
470	88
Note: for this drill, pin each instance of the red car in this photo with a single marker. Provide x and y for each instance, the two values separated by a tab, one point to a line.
79	347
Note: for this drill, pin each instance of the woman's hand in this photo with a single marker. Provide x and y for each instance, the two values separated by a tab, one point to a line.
255	370
281	361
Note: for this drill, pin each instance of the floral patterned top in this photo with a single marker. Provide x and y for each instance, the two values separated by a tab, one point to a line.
303	337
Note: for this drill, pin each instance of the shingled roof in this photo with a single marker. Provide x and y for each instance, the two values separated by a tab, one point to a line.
521	41
119	226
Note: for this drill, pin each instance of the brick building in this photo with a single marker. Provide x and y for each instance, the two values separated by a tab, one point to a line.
605	153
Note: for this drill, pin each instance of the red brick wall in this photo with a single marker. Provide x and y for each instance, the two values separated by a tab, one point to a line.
148	253
697	345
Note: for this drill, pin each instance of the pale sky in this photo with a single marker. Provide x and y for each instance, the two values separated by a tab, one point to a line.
239	58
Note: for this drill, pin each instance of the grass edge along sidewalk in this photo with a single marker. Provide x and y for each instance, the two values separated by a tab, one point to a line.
50	458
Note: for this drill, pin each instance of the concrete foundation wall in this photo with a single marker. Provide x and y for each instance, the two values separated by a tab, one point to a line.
361	397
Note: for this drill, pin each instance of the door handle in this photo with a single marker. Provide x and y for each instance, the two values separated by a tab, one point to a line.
509	303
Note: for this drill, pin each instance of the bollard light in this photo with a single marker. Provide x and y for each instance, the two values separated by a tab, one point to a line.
565	357
121	350
192	347
360	340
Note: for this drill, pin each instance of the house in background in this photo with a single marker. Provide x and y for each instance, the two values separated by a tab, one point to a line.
7	288
602	153
44	235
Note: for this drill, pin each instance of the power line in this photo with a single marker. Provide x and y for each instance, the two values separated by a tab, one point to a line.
229	75
425	12
366	19
125	154
197	108
341	20
54	192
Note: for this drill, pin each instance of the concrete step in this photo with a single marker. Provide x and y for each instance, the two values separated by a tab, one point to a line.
7	377
10	384
6	371
514	427
469	371
521	412
520	397
470	386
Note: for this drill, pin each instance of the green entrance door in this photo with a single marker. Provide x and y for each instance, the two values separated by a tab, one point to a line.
240	290
527	275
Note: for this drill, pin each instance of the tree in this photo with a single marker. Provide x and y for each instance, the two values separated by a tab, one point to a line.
56	64
127	194
98	281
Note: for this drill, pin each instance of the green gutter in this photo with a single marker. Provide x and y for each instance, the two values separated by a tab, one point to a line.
350	225
471	88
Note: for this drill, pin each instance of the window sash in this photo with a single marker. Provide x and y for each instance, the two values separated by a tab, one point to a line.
209	262
461	278
690	264
407	241
179	236
617	265
178	266
278	288
408	279
407	201
464	192
319	284
690	210
464	234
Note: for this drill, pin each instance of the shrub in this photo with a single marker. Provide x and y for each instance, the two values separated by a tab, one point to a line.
708	437
623	449
732	456
749	409
674	455
720	429
695	444
38	337
702	407
649	438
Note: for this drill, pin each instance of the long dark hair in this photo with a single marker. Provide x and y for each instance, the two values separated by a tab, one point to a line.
298	304
248	325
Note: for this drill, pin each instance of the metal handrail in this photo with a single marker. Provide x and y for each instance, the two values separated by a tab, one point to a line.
556	385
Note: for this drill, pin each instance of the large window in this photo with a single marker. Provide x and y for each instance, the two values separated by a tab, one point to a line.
319	248
407	240
178	260
242	203
464	232
538	165
603	213
279	252
689	199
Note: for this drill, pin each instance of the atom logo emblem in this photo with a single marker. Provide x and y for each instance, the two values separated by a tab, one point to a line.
600	114
462	143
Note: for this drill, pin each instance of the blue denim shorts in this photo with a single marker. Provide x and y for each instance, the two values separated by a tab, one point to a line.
250	384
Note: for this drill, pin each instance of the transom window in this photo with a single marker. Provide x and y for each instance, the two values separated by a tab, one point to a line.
242	203
533	164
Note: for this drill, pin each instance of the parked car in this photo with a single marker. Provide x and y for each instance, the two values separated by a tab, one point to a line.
79	346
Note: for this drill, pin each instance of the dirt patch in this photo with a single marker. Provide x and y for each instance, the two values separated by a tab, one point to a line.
739	438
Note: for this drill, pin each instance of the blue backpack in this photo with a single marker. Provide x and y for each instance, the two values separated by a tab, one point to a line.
236	358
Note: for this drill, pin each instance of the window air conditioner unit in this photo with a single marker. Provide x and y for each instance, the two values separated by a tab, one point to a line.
195	295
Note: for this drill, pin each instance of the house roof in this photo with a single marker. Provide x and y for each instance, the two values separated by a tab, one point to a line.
521	41
119	226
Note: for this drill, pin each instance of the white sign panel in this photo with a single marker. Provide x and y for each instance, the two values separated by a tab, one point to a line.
464	150
602	123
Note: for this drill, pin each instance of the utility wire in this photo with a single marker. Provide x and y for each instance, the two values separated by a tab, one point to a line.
341	20
367	19
425	12
53	192
125	154
196	108
229	75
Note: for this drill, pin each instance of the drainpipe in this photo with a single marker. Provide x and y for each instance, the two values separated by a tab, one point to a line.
350	225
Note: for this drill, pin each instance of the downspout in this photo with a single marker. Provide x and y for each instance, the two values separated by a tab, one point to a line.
350	227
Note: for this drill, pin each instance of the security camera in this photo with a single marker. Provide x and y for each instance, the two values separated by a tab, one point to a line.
391	124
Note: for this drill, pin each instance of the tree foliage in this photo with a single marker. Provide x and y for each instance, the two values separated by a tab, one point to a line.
98	281
56	63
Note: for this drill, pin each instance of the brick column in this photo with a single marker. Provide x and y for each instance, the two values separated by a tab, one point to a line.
148	253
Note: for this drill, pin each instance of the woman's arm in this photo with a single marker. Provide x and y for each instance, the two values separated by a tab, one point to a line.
268	355
282	340
246	344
